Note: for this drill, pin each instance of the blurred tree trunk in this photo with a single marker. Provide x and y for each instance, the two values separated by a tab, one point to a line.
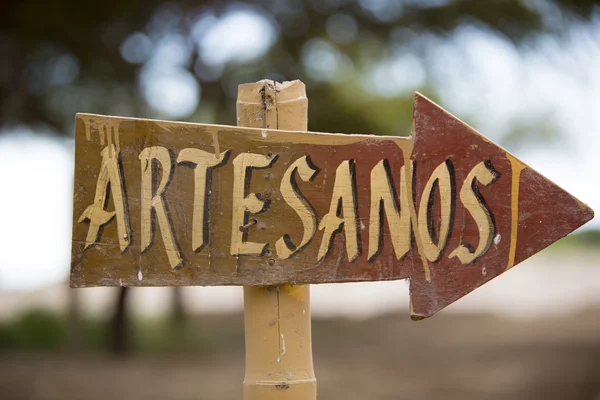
74	329
119	337
178	313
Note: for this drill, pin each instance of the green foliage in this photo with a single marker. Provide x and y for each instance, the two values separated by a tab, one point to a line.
35	330
42	330
204	334
36	34
95	335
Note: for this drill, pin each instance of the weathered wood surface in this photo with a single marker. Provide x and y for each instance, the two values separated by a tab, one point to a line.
194	204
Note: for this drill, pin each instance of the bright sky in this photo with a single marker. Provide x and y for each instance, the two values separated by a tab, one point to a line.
35	209
480	77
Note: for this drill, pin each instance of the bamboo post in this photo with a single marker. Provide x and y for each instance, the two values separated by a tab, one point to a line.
279	361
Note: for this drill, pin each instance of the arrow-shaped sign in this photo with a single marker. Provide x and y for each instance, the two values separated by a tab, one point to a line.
162	203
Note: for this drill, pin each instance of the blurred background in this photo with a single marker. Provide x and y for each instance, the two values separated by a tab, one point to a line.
523	72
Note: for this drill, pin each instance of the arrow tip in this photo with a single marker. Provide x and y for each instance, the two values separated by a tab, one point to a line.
526	211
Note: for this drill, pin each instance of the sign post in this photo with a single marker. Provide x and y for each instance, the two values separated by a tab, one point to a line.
279	361
273	208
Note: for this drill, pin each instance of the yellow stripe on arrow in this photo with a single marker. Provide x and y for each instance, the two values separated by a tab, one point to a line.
516	167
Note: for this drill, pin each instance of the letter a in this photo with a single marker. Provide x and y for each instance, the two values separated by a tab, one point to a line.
343	200
96	214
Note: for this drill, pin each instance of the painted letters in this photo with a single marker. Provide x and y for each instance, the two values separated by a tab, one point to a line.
343	200
152	159
471	199
203	163
292	196
96	214
244	204
387	204
384	201
441	180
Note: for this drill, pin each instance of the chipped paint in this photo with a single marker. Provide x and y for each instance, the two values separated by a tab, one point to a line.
88	134
108	131
295	291
215	137
497	239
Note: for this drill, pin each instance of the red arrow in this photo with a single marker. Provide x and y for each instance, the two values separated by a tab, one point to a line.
529	211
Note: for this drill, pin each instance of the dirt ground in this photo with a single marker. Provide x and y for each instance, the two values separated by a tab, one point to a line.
447	357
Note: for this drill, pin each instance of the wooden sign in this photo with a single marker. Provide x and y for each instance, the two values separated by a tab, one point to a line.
161	203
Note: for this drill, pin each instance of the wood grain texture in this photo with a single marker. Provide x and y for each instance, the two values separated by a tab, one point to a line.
465	209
